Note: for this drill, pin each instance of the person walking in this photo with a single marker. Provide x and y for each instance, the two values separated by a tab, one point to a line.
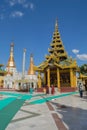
31	90
81	90
52	90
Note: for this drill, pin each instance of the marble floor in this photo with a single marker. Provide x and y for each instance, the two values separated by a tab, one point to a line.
66	112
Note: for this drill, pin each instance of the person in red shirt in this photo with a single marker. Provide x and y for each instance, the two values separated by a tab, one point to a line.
52	89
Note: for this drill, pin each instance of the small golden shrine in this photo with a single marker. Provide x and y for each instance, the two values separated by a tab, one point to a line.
58	69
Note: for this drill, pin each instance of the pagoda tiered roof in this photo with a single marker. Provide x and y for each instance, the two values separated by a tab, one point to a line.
57	55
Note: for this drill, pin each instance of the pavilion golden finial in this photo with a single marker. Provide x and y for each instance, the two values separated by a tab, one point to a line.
31	68
11	62
56	25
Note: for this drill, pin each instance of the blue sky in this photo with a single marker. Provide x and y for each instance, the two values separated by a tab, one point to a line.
30	24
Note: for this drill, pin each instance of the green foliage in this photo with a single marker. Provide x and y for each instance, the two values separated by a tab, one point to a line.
83	69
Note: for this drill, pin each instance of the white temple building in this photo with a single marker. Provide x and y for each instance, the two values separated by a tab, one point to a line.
23	80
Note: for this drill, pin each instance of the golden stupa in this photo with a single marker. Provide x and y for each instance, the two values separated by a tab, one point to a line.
11	63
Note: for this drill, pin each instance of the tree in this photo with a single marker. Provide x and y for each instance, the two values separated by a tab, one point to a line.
83	69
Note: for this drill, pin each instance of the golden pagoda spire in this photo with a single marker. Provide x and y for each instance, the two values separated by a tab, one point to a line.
11	63
56	26
31	68
57	50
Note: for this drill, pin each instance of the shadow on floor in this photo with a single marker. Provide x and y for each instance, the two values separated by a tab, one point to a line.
75	118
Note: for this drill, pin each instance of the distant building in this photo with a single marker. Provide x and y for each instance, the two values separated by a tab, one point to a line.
19	81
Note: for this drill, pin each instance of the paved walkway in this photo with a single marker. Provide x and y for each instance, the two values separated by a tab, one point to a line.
73	111
44	112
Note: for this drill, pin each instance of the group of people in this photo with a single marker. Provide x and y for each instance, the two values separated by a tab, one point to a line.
81	88
49	90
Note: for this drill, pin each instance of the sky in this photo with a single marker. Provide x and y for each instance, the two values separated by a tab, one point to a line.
30	24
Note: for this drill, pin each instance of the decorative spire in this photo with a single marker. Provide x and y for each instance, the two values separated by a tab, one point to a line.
31	68
56	50
56	26
11	63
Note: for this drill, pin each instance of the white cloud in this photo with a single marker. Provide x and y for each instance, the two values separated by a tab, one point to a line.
14	2
23	3
17	14
82	57
9	8
29	5
75	51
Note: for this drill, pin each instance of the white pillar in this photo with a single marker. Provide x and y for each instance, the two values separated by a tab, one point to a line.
23	65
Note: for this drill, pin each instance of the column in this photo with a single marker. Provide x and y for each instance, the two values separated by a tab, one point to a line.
39	80
75	80
48	77
23	65
71	77
45	77
58	79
